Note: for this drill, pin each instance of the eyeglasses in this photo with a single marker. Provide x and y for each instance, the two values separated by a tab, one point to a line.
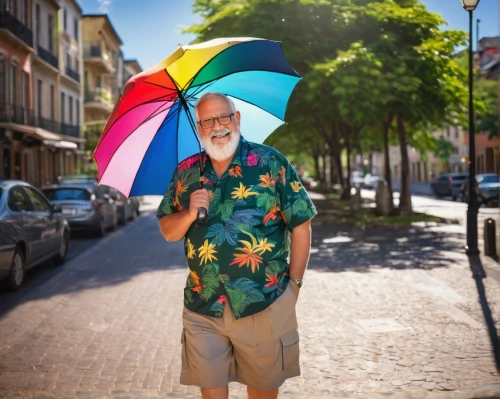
209	123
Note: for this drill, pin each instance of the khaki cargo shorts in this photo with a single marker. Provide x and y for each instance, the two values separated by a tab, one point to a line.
260	351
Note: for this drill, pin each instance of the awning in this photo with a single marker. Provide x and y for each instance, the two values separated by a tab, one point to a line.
61	144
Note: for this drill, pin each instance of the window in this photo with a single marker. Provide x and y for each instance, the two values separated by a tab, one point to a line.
448	131
70	99
52	103
23	16
40	203
65	194
457	132
77	112
37	23
25	88
39	97
65	19
75	28
2	79
51	33
68	60
12	7
18	201
6	163
12	84
63	100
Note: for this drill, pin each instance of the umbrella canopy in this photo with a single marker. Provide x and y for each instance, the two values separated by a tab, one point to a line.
152	128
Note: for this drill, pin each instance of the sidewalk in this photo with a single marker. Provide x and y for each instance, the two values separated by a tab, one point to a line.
382	311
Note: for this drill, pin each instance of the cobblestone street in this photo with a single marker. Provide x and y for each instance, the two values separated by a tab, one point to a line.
402	317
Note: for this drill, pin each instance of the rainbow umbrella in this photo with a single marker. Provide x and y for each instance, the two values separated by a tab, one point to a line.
152	126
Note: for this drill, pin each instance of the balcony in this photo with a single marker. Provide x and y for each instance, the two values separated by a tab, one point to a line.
16	114
48	57
94	54
70	130
16	27
48	124
72	74
99	98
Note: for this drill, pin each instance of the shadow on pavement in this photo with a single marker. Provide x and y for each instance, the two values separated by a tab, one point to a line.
478	274
111	261
339	247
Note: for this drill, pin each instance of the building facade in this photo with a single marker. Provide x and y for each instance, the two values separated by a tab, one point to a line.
426	167
130	69
35	145
103	63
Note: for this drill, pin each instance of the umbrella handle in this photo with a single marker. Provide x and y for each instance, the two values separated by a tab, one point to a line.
202	216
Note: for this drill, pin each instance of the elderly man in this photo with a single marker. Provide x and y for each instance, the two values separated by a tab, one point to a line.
239	308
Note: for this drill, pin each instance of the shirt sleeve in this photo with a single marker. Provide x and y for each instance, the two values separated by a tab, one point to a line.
167	204
296	205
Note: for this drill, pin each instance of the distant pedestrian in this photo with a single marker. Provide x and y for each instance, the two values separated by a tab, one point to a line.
239	308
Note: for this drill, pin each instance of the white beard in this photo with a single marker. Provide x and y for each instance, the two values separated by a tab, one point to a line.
221	153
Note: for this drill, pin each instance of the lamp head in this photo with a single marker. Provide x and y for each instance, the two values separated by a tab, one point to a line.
470	5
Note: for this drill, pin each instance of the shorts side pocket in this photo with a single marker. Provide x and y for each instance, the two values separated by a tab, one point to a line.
290	349
184	349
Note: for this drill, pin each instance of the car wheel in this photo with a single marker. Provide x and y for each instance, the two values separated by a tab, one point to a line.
16	275
101	231
63	250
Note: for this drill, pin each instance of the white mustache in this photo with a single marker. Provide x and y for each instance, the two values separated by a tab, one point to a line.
219	132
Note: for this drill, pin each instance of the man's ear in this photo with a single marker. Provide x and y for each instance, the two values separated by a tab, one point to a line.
237	117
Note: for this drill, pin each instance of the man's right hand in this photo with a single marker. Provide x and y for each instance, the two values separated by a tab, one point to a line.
198	199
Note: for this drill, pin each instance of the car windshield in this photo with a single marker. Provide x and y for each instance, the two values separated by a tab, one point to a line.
62	194
459	177
488	179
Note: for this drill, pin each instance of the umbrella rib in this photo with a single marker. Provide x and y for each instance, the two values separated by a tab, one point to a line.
131	133
149	146
249	70
158	85
188	83
158	99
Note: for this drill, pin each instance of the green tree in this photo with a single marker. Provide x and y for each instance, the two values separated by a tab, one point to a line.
443	150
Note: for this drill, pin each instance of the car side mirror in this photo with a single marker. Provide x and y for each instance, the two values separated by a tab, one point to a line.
56	209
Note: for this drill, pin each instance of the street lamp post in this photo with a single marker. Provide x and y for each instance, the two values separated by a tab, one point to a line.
473	204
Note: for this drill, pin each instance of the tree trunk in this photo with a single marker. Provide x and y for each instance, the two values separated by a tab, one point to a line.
405	207
346	192
334	172
323	169
316	156
370	162
387	161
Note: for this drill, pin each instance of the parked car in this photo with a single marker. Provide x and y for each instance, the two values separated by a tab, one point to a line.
357	178
487	189
32	231
85	206
372	181
448	185
127	208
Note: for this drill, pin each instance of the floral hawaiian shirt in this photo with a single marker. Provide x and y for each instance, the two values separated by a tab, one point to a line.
241	255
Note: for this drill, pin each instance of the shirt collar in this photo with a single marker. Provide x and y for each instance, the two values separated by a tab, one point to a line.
240	155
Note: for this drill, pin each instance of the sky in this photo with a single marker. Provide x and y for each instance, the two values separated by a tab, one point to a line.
151	31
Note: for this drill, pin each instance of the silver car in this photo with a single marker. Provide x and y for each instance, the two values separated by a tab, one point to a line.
85	206
32	231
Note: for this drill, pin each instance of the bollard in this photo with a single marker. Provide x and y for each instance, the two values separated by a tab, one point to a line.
490	245
355	197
